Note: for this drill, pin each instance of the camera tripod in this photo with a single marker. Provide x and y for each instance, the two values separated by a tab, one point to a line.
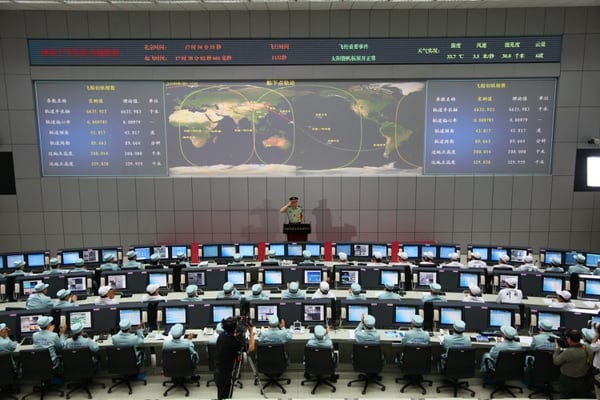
237	369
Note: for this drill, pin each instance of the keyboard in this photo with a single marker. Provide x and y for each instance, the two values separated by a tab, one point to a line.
27	340
491	333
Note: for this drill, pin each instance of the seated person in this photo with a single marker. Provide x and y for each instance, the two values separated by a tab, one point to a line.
457	339
323	292
365	332
376	260
556	266
503	262
78	340
435	294
229	292
388	293
416	334
544	340
427	260
476	261
79	265
179	341
293	292
109	263
306	255
454	261
54	268
579	266
18	268
509	334
65	299
132	262
403	260
473	294
237	260
527	265
152	294
276	332
155	262
7	345
182	259
126	337
342	258
355	292
46	338
192	294
510	294
562	300
257	293
107	296
271	260
39	299
320	338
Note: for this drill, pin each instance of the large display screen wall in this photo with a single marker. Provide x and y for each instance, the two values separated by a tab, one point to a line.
295	128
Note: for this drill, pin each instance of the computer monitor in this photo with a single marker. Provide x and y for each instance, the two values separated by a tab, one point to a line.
361	250
387	276
110	252
105	319
246	250
555	318
221	312
143	253
158	278
28	324
163	251
312	276
228	250
294	250
69	257
445	251
498	317
178	249
467	278
132	314
551	284
28	286
411	250
570	257
504	279
91	255
1	262
343	248
196	278
379	248
237	277
431	248
278	248
84	317
592	259
11	259
210	251
449	315
550	254
426	278
273	277
314	248
356	311
118	281
175	315
484	251
591	287
349	276
518	255
496	253
313	313
403	314
77	284
35	260
264	311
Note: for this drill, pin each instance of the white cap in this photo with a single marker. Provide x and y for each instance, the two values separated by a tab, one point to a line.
504	258
355	288
474	289
579	258
155	257
476	255
19	264
565	294
181	255
108	257
377	255
343	257
454	256
177	331
54	261
428	254
324	286
512	282
238	257
271	253
79	262
306	254
130	254
103	291
403	255
273	320
435	288
151	288
528	258
546	325
62	293
256	289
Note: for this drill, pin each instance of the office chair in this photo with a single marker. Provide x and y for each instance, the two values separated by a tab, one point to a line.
272	362
416	362
319	362
8	378
178	365
79	370
509	366
543	374
460	364
37	366
367	360
122	361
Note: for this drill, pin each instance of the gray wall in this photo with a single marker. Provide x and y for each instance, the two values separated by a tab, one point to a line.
541	211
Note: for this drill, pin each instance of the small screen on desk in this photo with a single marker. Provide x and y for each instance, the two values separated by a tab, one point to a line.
499	318
220	312
389	277
433	249
312	277
264	311
517	255
29	286
175	315
273	277
163	251
467	278
158	278
83	317
592	259
278	248
247	250
427	278
449	315
592	287
314	248
109	252
404	314
294	250
177	250
132	314
549	255
481	250
379	248
90	255
13	258
29	323
236	277
314	312
356	311
143	253
196	278
570	257
348	277
551	284
117	281
505	278
445	252
77	283
227	250
411	250
554	318
35	260
496	253
210	251
69	257
361	250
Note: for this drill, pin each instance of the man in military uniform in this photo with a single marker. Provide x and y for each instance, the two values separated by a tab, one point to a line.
132	262
179	341
320	338
355	292
510	294
126	337
257	293
579	266
388	293
65	299
294	212
229	292
435	294
543	340
54	267
107	296
109	263
323	292
19	268
457	339
556	266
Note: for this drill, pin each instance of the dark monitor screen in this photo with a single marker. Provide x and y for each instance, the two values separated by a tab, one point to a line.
411	250
294	250
570	257
496	253
210	251
314	248
28	324
379	248
11	259
105	319
445	251
177	250
84	317
111	252
278	248
592	287
228	250
592	259
426	278
349	276
343	248
313	313
313	276
69	257
356	311
264	311
143	253
499	317
132	314
163	251
77	284
551	284
221	312
449	315
555	318
360	250
549	255
273	277
236	277
175	315
118	281
467	278
196	278
387	276
504	278
517	255
246	250
158	278
403	314
28	286
36	260
483	251
432	248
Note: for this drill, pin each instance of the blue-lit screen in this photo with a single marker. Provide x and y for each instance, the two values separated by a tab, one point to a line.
592	259
389	277
132	314
343	248
481	250
425	248
278	248
294	249
356	311
552	317
160	279
272	277
445	252
411	250
106	252
448	315
381	248
549	255
312	277
314	248
143	253
69	257
551	284
36	259
210	250
570	257
220	312
176	250
499	318
247	250
403	314
227	250
496	253
175	315
592	287
236	277
466	278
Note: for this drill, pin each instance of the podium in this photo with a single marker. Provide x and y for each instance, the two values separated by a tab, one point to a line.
296	232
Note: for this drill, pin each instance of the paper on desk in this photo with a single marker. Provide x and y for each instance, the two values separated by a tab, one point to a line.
351	334
525	340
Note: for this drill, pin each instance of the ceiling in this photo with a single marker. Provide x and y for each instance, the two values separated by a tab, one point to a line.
291	5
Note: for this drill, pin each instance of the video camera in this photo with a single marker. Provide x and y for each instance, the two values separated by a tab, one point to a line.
242	323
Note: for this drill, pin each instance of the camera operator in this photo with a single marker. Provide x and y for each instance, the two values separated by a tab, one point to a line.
593	336
574	362
230	344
